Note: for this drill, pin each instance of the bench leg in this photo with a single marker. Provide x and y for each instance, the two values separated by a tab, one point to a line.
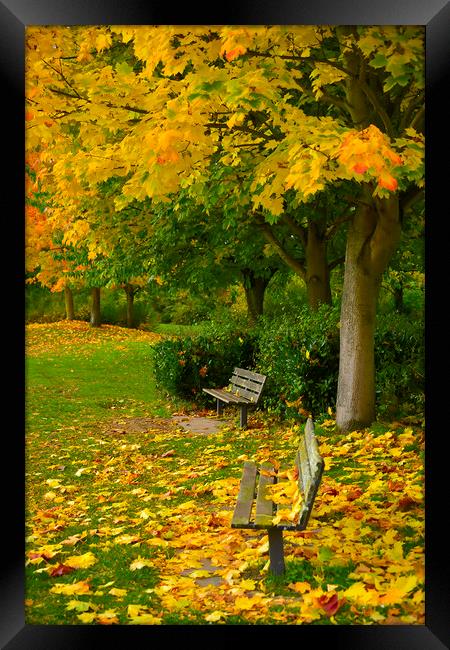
276	552
219	408
243	416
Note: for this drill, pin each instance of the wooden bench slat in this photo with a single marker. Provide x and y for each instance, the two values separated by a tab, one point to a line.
245	385
254	386
243	509
312	447
264	507
248	374
304	472
247	394
309	499
225	396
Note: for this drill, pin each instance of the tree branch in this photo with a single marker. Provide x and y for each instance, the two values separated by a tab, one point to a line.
417	119
372	97
336	262
416	101
290	261
329	232
296	228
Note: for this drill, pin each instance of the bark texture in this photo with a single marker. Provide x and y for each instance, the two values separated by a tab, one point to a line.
372	239
68	302
317	279
95	307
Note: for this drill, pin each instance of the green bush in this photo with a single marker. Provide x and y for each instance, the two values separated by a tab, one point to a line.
183	366
400	364
300	356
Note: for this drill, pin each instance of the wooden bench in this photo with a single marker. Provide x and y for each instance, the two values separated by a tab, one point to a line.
255	511
244	389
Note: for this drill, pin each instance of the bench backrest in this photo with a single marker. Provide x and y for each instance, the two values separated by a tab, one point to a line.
310	466
245	383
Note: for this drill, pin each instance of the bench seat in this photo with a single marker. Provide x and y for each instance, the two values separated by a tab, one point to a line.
244	390
256	510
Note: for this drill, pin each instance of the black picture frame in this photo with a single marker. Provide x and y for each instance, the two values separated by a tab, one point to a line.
15	16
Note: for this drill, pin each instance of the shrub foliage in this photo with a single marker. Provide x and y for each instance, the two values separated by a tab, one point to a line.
183	366
300	357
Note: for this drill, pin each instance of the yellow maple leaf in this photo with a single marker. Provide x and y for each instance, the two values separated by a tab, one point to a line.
81	561
245	603
300	587
120	593
215	616
81	587
87	617
80	606
398	590
127	539
139	563
145	619
108	617
359	594
103	41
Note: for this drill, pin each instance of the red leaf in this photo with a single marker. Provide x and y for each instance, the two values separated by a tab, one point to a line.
61	570
406	503
330	603
354	493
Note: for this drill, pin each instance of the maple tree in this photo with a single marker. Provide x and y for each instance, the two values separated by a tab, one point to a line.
302	110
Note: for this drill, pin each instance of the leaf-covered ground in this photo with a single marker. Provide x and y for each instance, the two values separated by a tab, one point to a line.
131	525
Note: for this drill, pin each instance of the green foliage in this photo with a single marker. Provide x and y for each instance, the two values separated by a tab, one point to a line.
42	306
400	364
183	366
299	354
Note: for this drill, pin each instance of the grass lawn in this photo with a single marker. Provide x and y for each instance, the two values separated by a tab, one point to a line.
132	526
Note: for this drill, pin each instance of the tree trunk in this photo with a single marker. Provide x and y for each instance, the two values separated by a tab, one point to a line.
129	291
255	289
314	270
95	307
398	299
371	241
68	302
318	288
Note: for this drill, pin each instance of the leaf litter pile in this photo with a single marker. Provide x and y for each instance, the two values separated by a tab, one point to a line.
131	525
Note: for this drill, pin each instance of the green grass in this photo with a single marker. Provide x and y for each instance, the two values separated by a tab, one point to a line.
172	329
84	388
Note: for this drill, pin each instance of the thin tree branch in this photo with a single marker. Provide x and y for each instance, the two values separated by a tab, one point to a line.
296	228
329	232
418	118
290	261
336	262
372	97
